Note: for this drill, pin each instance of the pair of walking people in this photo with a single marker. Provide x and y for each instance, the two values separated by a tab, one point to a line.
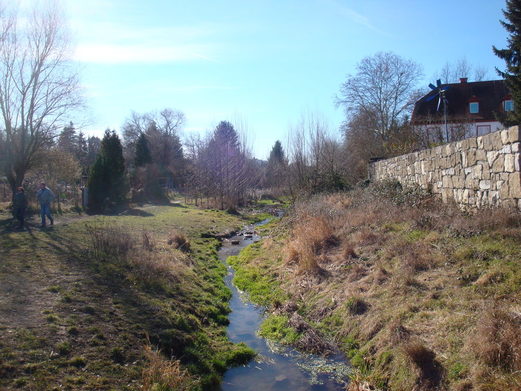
44	196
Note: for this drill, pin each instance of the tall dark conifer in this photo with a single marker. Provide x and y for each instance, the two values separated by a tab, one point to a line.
142	151
512	57
107	182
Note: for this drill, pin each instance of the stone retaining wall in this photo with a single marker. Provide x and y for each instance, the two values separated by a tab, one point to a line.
476	172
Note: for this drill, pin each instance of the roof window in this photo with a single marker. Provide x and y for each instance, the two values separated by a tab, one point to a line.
508	105
474	107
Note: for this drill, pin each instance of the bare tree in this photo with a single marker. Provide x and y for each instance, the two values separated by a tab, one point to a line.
383	90
453	72
315	157
37	86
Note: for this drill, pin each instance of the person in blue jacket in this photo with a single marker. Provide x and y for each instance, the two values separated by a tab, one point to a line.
45	197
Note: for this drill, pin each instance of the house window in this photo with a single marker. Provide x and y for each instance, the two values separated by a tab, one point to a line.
474	107
508	105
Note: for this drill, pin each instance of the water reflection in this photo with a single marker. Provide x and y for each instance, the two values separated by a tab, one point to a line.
276	367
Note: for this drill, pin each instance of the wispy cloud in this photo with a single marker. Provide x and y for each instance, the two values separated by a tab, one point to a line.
104	40
354	16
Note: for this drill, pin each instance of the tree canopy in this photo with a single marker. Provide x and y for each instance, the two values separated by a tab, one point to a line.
512	57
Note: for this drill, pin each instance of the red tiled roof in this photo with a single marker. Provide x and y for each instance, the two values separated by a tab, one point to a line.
489	94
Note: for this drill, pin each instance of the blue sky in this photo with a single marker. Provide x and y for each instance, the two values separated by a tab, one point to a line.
260	63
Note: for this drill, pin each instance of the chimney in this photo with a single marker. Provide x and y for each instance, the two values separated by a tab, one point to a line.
463	80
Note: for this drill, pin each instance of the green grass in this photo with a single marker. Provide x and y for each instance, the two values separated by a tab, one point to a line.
258	281
108	310
276	327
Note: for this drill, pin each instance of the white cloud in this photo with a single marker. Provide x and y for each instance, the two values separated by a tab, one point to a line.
105	35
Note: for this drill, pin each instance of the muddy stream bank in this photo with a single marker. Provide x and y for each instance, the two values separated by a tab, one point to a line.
276	367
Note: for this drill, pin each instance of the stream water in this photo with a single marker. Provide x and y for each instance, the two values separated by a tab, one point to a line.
276	367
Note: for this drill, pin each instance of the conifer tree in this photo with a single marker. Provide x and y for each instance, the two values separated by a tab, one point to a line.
107	182
143	156
512	57
276	167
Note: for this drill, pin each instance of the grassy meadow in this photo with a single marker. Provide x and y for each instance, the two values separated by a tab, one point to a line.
127	302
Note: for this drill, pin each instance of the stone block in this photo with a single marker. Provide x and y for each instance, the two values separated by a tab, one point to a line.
471	184
491	157
477	171
472	142
514	185
509	162
495	140
504	190
447	182
513	134
504	136
486	173
484	184
515	147
481	155
499	163
479	140
458	182
506	149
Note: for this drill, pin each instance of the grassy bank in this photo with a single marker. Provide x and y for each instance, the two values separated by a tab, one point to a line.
419	295
131	302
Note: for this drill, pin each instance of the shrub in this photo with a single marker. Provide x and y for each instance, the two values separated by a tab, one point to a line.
165	375
179	241
498	341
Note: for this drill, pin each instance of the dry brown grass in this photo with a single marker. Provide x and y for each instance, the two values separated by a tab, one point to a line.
405	256
357	272
348	251
153	267
311	236
424	360
148	241
497	342
110	241
148	263
163	374
179	241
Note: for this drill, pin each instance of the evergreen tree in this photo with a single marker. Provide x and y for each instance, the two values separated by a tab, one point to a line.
67	140
512	57
277	154
93	148
142	156
276	167
82	151
107	184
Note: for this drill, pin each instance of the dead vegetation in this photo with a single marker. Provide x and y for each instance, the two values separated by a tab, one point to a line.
149	262
163	374
412	282
179	241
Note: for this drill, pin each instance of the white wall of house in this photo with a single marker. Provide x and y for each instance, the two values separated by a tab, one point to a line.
436	132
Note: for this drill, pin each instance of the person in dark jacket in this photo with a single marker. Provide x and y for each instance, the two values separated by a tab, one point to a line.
45	196
19	206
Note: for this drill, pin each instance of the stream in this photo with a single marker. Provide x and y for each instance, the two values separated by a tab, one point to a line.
276	367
